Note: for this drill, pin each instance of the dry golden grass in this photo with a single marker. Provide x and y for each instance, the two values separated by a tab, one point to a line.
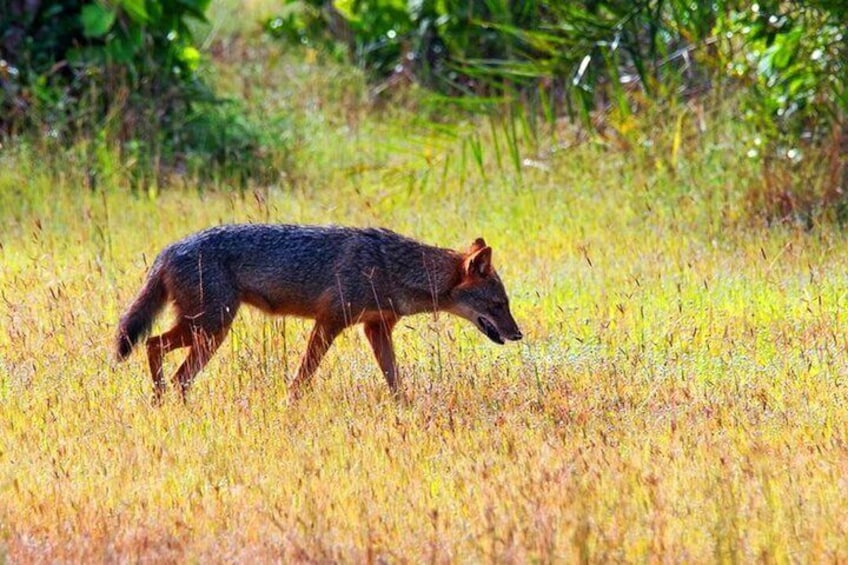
679	394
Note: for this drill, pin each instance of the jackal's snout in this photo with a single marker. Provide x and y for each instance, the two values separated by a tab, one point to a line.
499	325
508	325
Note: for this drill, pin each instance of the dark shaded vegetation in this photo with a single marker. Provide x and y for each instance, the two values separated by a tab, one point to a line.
123	74
127	72
600	62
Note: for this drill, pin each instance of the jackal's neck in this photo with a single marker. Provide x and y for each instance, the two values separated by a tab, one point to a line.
427	286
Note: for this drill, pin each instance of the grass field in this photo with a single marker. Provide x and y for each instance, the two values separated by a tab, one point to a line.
679	394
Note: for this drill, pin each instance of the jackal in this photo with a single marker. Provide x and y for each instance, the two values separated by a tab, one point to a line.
338	276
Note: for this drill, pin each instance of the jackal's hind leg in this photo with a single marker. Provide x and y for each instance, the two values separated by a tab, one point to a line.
203	346
158	346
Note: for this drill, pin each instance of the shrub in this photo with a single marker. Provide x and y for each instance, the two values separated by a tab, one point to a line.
574	54
63	60
123	71
600	60
791	57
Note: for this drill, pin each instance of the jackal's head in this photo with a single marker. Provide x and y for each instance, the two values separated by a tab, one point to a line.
480	296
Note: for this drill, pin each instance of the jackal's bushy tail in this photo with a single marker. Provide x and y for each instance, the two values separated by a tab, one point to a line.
138	319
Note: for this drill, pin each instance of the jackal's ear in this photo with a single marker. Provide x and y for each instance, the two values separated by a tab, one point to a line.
479	263
478	244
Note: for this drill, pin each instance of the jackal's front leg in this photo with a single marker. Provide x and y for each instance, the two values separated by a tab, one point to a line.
322	336
379	334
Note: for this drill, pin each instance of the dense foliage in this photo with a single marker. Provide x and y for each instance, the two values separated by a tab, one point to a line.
127	70
133	52
614	56
124	71
586	54
792	61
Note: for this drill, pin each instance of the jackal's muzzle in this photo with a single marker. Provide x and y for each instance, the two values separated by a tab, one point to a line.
496	335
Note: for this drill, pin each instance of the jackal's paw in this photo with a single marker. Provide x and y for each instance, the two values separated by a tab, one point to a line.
295	393
157	400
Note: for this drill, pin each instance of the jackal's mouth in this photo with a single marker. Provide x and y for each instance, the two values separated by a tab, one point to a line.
489	329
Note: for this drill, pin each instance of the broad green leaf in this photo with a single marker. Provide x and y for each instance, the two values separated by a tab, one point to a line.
195	8
120	50
347	9
96	20
136	10
783	55
190	57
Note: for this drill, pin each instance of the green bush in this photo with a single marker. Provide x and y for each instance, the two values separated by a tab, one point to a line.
125	72
575	55
63	59
791	57
600	61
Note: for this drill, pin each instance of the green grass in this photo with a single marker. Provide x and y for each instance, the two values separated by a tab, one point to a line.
679	394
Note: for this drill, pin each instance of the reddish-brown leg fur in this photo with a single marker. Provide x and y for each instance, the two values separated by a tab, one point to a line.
379	334
157	346
201	345
201	351
322	336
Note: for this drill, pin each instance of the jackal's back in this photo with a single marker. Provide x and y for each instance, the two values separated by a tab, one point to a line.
303	269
